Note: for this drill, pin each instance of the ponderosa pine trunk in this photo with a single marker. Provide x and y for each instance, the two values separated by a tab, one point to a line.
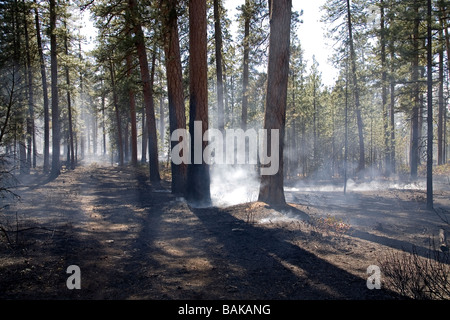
272	188
117	113
177	112
55	169
441	107
69	108
441	112
31	137
429	108
132	101
414	152
245	74
384	106
46	151
147	90
198	177
219	68
362	161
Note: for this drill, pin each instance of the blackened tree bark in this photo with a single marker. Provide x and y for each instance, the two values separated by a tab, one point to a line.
356	92
429	108
387	152
219	73
147	90
245	66
271	189
69	107
392	114
177	112
414	152
31	137
441	107
441	110
46	151
116	109
144	138
132	101
55	170
198	178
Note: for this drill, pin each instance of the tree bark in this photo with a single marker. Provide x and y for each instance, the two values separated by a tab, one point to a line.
384	107
46	150
441	112
69	107
116	109
429	109
245	66
177	112
272	189
414	161
441	108
198	178
144	138
132	100
392	115
147	89
361	165
55	170
219	68
103	120
31	137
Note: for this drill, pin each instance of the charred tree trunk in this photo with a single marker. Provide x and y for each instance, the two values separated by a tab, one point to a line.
103	119
116	109
46	150
198	178
147	89
271	189
219	68
31	137
384	107
392	115
361	165
69	108
55	170
162	122
245	66
441	108
177	112
429	109
151	127
144	138
414	152
132	100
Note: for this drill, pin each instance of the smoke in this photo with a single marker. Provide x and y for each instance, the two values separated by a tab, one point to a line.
280	217
233	184
374	185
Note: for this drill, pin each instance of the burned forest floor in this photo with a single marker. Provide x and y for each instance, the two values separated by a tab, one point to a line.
135	240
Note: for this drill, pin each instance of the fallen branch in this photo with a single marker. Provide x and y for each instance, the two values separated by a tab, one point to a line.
5	232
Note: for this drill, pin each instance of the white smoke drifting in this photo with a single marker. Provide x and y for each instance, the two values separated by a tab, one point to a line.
233	184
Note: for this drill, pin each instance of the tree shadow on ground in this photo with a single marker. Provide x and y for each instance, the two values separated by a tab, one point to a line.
273	268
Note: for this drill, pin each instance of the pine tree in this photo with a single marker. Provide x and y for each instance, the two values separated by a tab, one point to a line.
272	187
147	89
55	168
177	114
198	176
